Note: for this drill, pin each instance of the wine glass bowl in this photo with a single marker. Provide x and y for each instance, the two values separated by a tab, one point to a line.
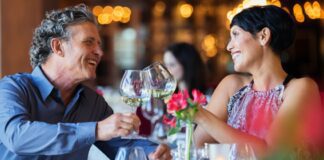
131	153
132	87
162	83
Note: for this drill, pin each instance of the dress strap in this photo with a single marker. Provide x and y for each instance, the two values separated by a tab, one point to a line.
287	79
284	83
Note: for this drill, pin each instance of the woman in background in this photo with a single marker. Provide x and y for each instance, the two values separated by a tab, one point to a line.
186	65
257	108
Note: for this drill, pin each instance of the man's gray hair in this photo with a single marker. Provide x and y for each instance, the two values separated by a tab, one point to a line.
54	26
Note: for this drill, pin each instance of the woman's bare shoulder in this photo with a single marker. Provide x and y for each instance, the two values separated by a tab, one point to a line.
302	91
237	80
304	83
234	82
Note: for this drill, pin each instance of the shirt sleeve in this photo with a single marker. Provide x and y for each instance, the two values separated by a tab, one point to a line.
110	148
23	136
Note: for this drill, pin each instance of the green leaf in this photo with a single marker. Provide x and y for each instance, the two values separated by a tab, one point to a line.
174	131
190	102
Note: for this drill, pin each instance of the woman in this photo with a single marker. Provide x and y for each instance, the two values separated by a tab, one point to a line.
255	108
185	64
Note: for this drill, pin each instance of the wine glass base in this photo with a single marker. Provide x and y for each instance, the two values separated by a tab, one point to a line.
159	140
134	136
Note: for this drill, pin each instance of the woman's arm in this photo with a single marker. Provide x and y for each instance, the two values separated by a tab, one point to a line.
219	130
212	122
218	105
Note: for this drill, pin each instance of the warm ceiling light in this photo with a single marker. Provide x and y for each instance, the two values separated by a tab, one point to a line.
209	44
298	13
127	12
108	9
97	10
159	8
316	9
104	18
186	10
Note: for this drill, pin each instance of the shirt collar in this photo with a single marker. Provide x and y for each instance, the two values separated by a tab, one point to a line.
44	86
40	80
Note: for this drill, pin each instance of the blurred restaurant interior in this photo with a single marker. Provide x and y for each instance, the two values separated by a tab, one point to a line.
135	33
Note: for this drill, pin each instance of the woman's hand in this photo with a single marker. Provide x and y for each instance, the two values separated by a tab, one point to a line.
162	152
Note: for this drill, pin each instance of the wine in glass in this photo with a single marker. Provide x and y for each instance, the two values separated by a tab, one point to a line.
133	90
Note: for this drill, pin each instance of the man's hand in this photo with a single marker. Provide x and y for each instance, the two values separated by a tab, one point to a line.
162	152
119	124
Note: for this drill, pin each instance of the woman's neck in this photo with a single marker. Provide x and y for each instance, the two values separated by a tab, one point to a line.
269	74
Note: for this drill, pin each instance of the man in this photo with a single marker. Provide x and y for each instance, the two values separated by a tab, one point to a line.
49	114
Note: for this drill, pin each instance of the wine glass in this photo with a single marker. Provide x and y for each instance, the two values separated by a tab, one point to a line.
153	109
242	152
219	151
161	85
133	90
161	82
131	153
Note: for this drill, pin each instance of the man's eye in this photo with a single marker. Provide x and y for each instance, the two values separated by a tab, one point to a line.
88	42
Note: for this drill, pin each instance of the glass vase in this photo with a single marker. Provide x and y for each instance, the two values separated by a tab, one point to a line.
189	146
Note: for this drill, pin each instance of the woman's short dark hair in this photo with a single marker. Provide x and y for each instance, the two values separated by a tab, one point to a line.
54	26
195	73
280	23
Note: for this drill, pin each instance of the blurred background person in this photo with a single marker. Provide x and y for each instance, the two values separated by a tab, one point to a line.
186	65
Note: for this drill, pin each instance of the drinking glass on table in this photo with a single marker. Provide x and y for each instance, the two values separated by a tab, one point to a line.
242	152
133	90
131	153
161	85
153	110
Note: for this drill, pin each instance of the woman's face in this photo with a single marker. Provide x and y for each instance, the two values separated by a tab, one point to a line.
244	48
173	65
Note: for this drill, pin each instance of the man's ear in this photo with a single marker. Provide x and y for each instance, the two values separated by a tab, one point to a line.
264	36
56	45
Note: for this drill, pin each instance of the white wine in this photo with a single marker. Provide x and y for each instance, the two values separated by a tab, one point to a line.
166	92
134	102
161	93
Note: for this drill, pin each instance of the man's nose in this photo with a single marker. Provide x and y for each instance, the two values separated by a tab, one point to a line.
99	51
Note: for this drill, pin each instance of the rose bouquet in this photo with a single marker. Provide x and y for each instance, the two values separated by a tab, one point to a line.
183	109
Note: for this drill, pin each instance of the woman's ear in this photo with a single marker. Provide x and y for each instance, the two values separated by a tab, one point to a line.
56	45
264	36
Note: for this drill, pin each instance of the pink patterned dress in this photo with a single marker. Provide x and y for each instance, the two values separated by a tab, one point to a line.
253	111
